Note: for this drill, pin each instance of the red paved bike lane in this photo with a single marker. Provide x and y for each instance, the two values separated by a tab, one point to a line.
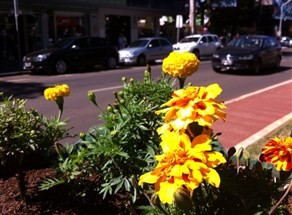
254	113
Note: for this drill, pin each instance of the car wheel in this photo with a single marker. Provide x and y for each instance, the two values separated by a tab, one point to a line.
197	53
60	66
141	61
111	63
257	67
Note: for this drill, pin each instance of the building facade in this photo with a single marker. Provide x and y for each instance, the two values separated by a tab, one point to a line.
43	22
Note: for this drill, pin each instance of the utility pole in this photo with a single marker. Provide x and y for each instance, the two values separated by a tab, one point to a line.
192	15
15	3
281	17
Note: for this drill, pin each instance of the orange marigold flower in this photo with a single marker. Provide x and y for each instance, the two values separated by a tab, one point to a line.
278	152
193	104
180	64
185	163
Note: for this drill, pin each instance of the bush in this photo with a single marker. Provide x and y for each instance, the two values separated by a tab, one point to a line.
26	137
124	146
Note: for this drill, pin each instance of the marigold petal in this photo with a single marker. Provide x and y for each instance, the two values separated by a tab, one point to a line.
213	178
148	178
166	192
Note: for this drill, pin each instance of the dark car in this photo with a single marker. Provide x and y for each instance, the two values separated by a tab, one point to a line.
71	53
250	53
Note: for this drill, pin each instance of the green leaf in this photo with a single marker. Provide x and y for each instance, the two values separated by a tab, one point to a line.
49	183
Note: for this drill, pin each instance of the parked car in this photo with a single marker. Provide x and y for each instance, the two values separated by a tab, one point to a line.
286	41
145	50
71	53
202	45
251	53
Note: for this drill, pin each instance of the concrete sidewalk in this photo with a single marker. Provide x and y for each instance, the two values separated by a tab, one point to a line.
253	116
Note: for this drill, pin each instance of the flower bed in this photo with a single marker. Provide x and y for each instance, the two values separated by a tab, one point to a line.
156	153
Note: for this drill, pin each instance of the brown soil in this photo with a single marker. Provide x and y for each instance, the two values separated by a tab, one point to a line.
55	201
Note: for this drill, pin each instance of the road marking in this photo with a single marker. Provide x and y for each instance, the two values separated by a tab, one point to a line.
257	92
265	131
18	80
107	88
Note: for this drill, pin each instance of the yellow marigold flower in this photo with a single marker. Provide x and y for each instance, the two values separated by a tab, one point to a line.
193	104
279	152
180	64
63	90
183	163
52	93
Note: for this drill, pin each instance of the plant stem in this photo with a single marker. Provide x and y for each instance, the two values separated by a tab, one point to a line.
20	176
282	198
181	82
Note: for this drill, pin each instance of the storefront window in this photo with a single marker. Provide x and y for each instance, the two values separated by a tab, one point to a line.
115	26
68	26
145	27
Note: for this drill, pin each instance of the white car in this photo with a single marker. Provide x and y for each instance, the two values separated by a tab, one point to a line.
202	45
145	50
286	41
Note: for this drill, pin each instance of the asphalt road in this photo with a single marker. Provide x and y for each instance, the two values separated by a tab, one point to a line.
80	112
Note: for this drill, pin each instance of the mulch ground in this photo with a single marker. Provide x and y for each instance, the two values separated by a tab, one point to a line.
55	201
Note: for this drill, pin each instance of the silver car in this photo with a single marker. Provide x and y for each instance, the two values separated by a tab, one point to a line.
145	50
202	45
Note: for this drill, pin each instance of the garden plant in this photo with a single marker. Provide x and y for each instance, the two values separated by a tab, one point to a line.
157	151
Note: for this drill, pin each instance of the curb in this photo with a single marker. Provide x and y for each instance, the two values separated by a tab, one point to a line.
13	73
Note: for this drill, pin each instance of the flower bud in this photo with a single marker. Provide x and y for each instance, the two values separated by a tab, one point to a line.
146	75
134	181
116	106
114	132
246	156
239	153
155	200
122	101
109	108
116	95
124	79
91	97
82	136
183	199
121	94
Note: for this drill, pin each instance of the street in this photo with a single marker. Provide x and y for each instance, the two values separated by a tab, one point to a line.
82	114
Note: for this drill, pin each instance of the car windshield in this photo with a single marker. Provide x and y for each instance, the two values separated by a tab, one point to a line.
189	39
246	42
62	44
139	43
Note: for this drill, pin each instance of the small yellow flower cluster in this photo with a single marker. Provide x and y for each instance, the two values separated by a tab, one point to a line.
52	93
180	64
279	152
